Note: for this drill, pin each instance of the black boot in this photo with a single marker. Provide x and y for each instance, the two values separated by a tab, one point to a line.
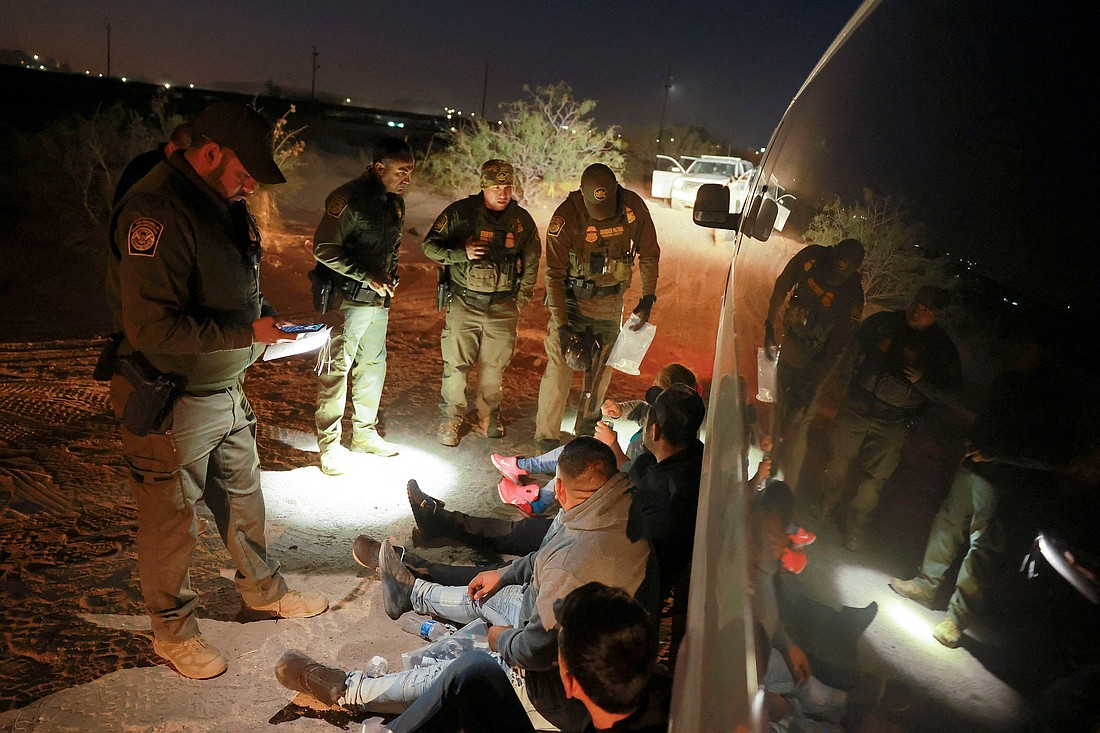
428	512
296	671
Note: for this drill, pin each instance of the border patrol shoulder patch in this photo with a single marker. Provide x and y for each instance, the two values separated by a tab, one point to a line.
556	225
336	206
143	237
440	222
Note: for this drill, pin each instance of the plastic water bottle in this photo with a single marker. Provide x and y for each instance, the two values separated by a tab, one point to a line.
425	628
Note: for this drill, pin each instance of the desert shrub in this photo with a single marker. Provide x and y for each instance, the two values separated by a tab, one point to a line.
895	264
264	203
547	137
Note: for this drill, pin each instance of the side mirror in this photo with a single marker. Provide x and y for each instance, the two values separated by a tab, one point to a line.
760	218
712	206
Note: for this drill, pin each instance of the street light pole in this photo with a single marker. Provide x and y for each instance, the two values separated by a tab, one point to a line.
313	78
664	108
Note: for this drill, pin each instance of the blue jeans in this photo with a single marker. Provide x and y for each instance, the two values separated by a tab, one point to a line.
453	602
813	696
547	463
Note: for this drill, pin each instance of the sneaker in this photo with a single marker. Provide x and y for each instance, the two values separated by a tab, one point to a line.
295	604
525	509
374	443
801	537
193	658
512	493
793	561
336	460
296	671
397	582
508	466
948	633
912	590
448	432
490	427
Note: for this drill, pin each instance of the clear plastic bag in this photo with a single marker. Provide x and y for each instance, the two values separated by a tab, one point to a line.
474	635
765	375
631	346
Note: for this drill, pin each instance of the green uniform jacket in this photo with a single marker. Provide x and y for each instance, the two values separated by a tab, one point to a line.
575	245
514	253
184	278
360	233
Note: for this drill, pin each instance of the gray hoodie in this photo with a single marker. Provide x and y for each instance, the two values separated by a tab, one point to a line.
585	544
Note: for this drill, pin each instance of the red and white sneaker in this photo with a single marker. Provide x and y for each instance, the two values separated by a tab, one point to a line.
793	561
508	467
801	537
512	493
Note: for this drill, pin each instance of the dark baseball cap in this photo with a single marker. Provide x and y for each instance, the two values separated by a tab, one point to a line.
246	133
933	298
600	190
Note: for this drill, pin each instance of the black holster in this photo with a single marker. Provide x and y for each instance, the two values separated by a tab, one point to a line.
442	289
322	289
152	399
108	358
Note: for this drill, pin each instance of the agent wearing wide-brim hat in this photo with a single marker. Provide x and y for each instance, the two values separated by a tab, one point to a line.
183	287
489	249
592	244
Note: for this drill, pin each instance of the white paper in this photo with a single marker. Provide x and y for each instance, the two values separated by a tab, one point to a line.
304	343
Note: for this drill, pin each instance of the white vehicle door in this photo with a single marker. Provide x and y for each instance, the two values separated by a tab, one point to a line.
666	169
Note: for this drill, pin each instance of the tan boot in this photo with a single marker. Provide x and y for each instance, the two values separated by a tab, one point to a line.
448	432
372	442
296	604
948	633
296	671
193	657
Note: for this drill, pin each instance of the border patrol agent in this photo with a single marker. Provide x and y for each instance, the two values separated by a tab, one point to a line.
356	246
822	314
903	361
592	242
184	288
489	248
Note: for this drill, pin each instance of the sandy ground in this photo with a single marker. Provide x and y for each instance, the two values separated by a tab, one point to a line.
76	651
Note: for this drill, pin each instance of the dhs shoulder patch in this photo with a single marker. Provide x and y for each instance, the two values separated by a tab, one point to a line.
143	237
556	225
440	222
336	206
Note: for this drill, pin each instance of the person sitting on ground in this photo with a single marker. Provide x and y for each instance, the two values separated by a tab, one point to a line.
666	479
607	650
788	671
587	542
532	500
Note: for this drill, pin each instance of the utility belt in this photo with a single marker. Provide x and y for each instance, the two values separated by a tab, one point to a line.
361	293
480	301
587	289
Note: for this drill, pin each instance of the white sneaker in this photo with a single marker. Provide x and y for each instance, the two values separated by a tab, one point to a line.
374	443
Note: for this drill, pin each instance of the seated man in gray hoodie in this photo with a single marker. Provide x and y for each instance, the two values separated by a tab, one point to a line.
587	542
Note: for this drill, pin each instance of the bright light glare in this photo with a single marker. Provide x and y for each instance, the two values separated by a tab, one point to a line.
372	492
909	620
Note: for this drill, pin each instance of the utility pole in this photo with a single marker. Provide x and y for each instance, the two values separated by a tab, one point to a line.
484	90
108	50
313	78
664	108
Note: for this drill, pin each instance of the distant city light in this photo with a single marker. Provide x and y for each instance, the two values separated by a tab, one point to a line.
167	85
87	72
124	78
36	57
347	100
190	86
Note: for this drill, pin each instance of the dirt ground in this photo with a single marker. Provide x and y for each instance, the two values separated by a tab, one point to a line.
76	652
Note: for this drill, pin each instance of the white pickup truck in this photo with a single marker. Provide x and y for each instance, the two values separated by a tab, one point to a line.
677	181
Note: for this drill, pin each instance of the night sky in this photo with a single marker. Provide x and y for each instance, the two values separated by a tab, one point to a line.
735	65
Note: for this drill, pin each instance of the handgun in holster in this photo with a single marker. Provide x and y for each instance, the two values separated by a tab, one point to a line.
321	278
442	288
108	358
153	396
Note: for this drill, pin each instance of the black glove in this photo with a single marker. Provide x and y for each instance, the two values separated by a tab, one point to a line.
642	310
770	348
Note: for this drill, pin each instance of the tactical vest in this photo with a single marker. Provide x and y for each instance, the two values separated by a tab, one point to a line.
375	241
500	270
810	316
604	254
